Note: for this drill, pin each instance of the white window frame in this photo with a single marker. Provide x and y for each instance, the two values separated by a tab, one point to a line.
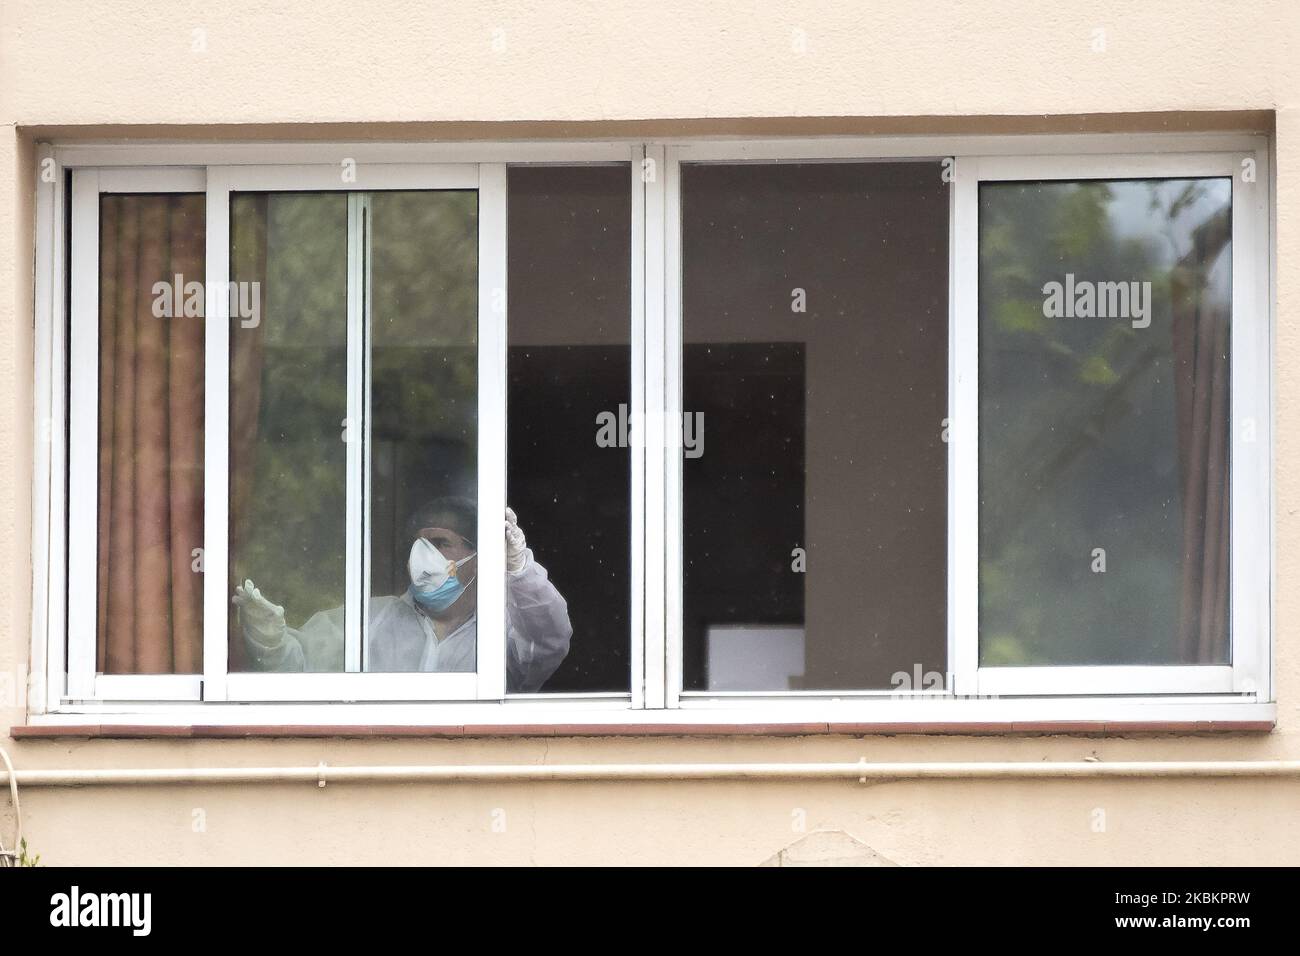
1247	670
1249	673
488	181
83	428
656	694
82	685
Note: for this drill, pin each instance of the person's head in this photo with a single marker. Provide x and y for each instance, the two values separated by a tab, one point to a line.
450	525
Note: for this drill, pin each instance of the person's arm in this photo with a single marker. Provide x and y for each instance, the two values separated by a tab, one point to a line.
537	617
537	627
272	646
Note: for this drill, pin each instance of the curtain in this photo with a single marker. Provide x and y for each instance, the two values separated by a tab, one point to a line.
150	586
248	256
1201	327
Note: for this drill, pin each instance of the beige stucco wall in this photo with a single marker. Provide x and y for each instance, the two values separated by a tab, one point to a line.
349	70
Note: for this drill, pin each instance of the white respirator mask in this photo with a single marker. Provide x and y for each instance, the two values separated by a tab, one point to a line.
435	583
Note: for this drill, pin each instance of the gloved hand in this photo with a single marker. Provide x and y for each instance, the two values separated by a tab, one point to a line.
262	620
516	547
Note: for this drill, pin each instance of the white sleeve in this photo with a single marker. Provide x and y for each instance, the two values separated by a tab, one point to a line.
537	628
316	646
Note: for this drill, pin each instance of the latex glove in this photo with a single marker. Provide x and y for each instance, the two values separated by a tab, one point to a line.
262	620
516	547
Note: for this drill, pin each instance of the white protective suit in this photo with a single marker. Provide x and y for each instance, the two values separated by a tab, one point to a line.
401	638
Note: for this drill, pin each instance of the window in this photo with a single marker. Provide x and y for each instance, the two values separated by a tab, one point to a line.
1120	394
353	409
840	430
1104	421
137	446
570	365
814	385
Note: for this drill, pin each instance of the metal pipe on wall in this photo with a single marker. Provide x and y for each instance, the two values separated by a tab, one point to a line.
862	771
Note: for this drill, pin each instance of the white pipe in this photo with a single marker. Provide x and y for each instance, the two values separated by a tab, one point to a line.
10	857
861	771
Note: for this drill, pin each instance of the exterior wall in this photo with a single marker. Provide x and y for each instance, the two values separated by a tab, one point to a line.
398	70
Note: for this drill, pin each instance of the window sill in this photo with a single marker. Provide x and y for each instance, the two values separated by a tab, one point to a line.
46	731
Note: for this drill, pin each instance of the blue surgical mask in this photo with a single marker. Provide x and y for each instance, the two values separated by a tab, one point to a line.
439	599
434	582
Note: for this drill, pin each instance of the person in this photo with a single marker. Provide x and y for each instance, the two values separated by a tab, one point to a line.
432	626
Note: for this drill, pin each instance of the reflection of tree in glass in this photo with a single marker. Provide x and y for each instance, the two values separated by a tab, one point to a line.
1079	444
289	537
424	363
424	317
288	473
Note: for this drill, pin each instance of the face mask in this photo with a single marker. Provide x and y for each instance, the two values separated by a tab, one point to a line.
434	582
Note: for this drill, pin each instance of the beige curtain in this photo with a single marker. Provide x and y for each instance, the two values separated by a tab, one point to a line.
150	592
248	264
1201	333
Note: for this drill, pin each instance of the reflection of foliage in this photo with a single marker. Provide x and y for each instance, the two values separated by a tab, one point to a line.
291	541
1019	315
424	309
1077	419
424	362
1095	370
424	255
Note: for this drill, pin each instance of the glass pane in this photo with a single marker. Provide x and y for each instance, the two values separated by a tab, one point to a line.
288	457
1105	312
423	431
815	321
149	592
570	378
